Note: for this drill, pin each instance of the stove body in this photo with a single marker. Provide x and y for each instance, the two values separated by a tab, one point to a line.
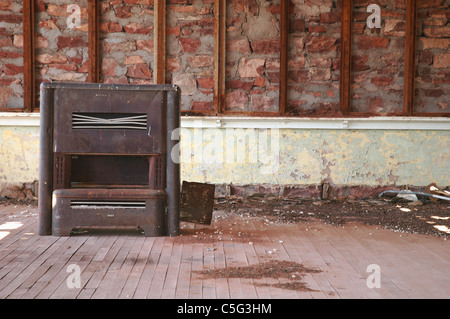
105	158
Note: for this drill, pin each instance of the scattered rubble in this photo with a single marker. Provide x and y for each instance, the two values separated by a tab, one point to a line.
423	216
288	273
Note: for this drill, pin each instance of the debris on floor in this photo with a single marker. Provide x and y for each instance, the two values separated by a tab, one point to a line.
395	213
289	274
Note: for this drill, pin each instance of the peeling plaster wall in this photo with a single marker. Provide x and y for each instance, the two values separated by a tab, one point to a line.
19	154
19	161
341	158
310	157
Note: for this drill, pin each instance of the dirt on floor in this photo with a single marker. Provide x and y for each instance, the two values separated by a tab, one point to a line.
422	216
289	274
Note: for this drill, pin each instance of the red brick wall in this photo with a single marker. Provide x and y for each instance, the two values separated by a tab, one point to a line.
61	52
126	37
253	59
252	52
190	51
11	54
314	57
433	67
378	56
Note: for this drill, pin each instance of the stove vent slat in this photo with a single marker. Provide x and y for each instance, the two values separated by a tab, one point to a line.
109	121
90	204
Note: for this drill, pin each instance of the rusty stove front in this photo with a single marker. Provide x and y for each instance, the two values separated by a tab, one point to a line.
105	158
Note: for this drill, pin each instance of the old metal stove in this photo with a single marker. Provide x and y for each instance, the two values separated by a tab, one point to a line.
105	158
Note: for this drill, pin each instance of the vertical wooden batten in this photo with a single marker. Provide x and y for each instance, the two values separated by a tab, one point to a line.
410	57
284	42
346	56
28	56
219	54
93	34
160	42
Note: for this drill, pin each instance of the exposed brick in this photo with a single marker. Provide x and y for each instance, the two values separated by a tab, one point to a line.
6	42
206	83
321	44
202	106
434	43
123	11
438	32
266	46
249	68
236	99
189	44
108	67
297	62
297	25
137	28
330	17
65	67
141	2
51	58
133	59
239	84
200	61
11	18
359	63
6	5
140	71
70	42
174	30
317	29
434	92
320	74
12	69
442	61
108	27
146	45
48	24
239	45
125	46
263	103
260	82
382	81
57	10
298	76
369	43
186	82
320	62
274	77
173	64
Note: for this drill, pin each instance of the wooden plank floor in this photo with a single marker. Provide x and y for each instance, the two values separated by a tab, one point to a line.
125	264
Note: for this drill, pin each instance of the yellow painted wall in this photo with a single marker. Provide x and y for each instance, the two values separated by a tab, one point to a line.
19	154
341	157
306	157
